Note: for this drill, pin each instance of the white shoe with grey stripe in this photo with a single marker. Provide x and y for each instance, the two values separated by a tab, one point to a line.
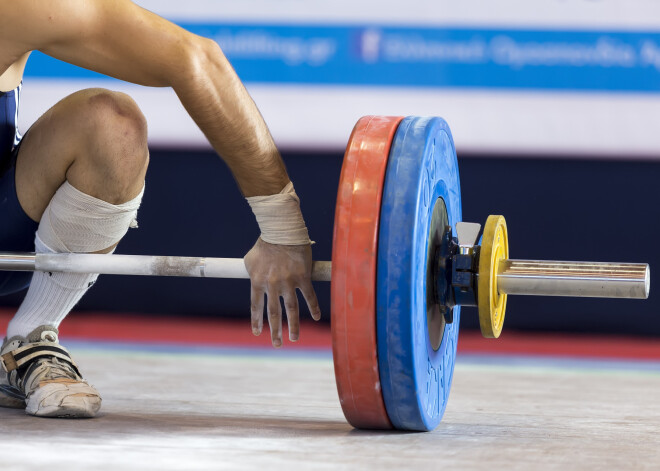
38	374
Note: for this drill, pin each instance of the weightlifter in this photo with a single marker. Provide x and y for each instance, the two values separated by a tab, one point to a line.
74	181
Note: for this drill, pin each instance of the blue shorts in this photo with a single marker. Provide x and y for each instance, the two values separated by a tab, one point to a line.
16	228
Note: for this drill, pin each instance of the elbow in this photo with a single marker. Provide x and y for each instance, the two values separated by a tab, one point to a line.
201	59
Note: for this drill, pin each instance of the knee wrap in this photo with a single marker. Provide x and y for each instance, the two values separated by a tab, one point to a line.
76	222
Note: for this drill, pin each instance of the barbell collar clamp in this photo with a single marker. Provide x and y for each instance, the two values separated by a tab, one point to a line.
467	235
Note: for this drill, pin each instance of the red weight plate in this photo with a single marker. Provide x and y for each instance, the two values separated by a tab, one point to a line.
353	288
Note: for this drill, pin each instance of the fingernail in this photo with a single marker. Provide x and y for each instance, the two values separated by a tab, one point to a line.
277	343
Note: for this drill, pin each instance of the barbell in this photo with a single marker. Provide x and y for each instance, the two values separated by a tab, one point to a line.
403	265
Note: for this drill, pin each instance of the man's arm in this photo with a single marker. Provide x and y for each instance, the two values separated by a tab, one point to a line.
122	40
125	41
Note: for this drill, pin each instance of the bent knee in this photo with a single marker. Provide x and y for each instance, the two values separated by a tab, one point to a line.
116	116
116	140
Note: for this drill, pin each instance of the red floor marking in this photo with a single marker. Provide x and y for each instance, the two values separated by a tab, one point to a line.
559	344
153	329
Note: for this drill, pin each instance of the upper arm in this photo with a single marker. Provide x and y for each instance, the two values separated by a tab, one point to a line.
116	38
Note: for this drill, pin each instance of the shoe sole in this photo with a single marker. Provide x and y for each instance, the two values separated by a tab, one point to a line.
11	397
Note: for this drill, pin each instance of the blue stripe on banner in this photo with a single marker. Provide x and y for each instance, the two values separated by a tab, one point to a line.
427	57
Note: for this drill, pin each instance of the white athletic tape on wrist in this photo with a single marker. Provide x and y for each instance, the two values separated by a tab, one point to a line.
279	218
76	222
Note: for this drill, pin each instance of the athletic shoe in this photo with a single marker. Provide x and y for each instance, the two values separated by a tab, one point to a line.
38	374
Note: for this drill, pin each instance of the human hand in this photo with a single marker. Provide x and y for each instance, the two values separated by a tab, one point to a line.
277	271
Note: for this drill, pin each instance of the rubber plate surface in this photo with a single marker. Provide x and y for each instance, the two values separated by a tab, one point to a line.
354	256
416	378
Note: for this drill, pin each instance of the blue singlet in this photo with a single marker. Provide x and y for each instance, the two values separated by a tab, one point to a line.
16	228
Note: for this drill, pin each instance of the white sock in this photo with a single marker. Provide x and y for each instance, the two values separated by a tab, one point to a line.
72	222
50	298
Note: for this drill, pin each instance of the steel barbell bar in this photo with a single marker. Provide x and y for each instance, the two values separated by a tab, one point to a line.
519	277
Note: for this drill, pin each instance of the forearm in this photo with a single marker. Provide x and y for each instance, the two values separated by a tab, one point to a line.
215	98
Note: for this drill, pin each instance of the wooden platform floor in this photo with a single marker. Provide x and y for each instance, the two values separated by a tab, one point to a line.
191	407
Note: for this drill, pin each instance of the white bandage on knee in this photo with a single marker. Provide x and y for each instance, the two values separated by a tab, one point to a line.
77	222
279	218
72	222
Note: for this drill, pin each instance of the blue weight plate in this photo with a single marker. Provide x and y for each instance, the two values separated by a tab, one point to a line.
416	348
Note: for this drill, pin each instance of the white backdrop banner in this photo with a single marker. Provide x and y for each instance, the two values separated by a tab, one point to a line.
546	77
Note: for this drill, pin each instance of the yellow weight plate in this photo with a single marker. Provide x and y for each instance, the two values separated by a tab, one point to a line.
492	304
